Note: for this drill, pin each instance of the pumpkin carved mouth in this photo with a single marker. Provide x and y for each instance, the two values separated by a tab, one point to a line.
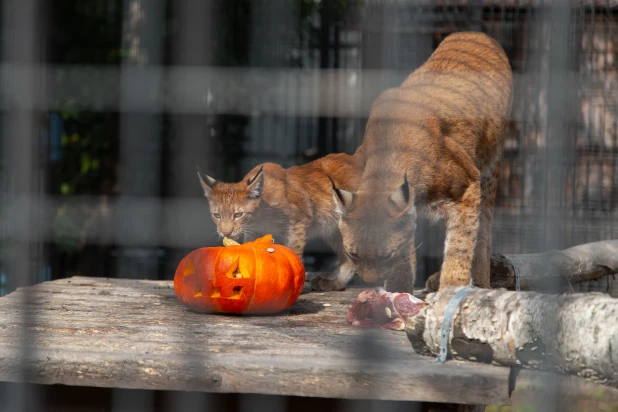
236	292
216	293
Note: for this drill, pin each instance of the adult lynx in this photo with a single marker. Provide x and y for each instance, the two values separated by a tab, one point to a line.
432	144
294	203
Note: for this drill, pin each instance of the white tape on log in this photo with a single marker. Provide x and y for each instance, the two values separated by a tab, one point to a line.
447	322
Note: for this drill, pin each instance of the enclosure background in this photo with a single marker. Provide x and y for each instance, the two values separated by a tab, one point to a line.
108	106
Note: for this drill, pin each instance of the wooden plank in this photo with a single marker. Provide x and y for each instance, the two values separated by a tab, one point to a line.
135	334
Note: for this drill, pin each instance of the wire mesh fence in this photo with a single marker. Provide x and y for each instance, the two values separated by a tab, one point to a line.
109	105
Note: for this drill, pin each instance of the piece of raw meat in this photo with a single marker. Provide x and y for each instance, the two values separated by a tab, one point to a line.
382	309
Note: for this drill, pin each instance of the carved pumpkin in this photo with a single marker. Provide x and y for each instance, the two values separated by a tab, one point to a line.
256	277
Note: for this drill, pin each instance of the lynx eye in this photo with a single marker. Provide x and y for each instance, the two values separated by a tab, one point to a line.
387	257
238	215
352	256
216	216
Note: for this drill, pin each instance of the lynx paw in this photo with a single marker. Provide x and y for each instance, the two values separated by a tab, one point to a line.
433	283
324	284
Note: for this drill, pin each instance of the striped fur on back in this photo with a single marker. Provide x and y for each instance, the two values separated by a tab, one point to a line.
432	145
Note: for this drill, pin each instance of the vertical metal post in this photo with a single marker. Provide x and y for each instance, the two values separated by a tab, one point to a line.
190	143
140	150
326	20
556	19
21	55
140	137
559	101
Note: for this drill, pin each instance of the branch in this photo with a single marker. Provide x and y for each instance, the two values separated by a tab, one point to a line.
551	270
576	334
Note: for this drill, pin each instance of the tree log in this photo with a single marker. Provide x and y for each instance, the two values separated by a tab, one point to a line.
555	268
576	333
552	270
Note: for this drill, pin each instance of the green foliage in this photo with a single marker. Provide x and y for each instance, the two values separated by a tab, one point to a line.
89	154
84	32
87	144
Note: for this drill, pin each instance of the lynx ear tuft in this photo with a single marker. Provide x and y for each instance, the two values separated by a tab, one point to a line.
207	182
255	185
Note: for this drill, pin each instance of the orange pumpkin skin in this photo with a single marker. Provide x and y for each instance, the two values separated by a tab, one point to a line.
238	279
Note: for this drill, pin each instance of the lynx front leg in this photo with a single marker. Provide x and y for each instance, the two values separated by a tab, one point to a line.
340	278
461	234
297	237
481	274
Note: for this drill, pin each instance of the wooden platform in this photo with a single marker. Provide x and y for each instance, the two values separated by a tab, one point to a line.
135	334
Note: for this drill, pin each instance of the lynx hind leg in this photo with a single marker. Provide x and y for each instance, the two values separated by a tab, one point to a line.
341	276
482	254
297	237
461	234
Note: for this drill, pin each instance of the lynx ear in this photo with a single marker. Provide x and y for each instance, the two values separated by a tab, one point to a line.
255	185
207	182
401	198
343	198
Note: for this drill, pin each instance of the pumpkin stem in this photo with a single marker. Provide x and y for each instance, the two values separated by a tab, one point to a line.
229	242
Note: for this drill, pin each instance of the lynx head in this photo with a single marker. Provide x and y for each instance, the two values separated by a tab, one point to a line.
232	205
377	230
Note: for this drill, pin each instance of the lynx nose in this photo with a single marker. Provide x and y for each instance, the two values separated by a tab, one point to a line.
227	233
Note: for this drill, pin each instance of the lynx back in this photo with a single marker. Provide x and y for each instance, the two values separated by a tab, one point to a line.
432	145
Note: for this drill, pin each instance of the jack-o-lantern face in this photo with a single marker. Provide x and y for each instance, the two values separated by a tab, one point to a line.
256	277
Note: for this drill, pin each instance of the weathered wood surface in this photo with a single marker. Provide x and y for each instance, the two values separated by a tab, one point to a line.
135	334
553	270
575	333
